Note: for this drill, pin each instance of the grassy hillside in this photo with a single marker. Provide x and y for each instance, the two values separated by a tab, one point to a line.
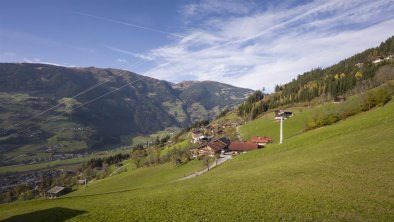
339	172
142	177
266	126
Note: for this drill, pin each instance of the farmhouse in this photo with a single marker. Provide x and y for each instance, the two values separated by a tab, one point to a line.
57	191
377	61
211	148
82	182
261	141
219	144
339	99
360	64
242	146
381	59
198	136
285	114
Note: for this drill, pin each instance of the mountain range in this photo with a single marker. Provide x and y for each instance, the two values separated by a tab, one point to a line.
43	103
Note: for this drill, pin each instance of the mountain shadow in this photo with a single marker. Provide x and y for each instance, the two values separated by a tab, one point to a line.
51	214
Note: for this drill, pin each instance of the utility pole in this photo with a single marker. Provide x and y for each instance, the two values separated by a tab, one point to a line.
281	130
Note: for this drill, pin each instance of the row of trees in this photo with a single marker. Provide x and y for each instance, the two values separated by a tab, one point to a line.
98	162
253	105
152	156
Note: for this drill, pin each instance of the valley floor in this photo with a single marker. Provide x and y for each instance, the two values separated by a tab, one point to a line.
342	172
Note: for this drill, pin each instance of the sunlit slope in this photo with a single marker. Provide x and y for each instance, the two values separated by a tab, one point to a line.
137	178
267	126
339	172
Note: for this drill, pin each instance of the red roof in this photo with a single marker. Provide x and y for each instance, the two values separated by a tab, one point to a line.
242	146
261	139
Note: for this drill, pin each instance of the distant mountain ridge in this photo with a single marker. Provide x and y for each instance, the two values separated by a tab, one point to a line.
184	84
141	105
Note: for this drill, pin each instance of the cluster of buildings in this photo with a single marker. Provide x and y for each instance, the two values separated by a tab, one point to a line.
376	60
52	148
381	59
211	131
224	145
199	137
210	146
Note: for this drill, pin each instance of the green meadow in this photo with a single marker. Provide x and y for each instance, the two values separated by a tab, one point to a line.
139	178
180	145
341	172
267	126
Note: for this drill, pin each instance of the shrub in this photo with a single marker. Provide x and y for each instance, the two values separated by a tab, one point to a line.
376	97
350	108
332	118
382	96
311	124
368	101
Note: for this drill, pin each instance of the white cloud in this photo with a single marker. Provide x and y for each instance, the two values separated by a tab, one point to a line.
273	46
121	60
216	6
38	60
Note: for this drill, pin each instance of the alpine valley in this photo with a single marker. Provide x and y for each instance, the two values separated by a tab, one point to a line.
52	107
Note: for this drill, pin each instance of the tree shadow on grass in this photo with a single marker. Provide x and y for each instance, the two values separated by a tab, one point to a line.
50	214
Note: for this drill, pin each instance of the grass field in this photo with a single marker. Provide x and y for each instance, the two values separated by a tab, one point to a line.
342	172
180	145
136	140
142	177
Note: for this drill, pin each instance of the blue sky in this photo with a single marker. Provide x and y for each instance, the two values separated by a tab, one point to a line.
241	42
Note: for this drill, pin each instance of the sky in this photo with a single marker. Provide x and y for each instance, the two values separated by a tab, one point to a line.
246	43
